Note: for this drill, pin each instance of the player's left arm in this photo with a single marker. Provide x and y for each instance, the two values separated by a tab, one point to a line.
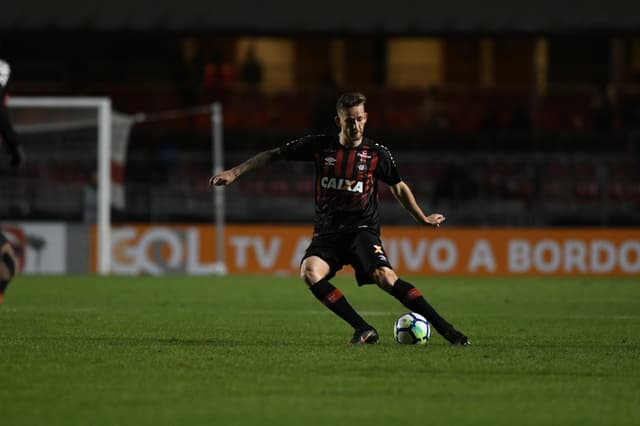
404	195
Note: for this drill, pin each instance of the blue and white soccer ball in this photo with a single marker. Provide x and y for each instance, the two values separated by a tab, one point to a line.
412	329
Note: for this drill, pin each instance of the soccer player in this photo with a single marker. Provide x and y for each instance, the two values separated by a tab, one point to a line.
7	133
346	227
12	147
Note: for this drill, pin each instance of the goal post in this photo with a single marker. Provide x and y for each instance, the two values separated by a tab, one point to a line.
217	152
85	134
103	116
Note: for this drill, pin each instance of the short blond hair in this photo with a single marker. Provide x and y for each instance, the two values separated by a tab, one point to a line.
349	100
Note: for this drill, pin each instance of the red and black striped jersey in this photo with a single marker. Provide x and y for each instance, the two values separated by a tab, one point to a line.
346	180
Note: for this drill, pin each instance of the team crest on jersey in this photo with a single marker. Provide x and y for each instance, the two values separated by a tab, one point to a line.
342	184
362	167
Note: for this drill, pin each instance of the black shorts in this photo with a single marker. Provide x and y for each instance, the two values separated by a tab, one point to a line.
3	239
361	249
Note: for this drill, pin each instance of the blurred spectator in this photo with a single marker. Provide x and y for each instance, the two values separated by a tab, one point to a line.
251	69
323	110
605	111
218	78
433	113
166	161
454	185
189	72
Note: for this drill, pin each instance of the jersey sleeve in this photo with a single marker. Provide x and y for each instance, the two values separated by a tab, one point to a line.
301	149
387	171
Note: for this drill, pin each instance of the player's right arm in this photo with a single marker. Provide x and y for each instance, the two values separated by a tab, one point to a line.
257	161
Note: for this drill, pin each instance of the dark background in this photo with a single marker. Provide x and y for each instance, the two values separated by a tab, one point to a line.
498	113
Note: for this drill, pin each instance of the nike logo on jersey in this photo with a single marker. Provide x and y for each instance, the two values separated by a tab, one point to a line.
342	184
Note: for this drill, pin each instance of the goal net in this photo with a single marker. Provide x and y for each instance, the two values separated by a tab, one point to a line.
89	165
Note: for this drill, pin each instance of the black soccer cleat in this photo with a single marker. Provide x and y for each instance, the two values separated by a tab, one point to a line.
364	335
455	337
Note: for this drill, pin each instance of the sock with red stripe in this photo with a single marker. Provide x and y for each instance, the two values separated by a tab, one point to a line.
411	297
333	299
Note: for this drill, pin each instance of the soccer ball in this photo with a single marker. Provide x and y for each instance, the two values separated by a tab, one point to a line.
412	329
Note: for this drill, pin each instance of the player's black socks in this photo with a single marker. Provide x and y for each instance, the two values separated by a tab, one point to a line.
411	297
3	285
333	299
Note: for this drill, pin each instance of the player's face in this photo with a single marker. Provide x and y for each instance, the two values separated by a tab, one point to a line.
351	122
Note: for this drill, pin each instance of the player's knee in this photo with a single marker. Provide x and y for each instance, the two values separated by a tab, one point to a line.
312	271
385	278
310	275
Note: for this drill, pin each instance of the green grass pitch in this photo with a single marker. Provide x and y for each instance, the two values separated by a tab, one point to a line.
243	350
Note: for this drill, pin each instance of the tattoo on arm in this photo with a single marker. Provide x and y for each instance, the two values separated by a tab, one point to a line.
260	160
